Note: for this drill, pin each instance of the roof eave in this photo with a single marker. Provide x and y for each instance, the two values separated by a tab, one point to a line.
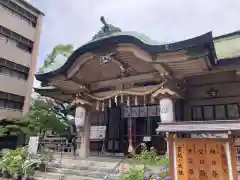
41	90
200	40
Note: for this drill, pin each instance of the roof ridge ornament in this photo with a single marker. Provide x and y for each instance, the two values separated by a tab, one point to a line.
106	30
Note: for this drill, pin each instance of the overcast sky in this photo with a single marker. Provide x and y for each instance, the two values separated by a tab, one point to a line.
76	21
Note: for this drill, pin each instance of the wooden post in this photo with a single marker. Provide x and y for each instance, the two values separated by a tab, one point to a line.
231	140
171	156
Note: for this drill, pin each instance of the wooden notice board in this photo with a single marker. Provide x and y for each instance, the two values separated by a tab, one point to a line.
201	159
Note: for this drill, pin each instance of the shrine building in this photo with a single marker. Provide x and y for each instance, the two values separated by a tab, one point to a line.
136	89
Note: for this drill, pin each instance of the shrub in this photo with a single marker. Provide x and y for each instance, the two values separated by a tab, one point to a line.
147	166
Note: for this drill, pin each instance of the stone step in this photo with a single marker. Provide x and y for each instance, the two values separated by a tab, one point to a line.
87	162
58	176
82	167
91	158
78	172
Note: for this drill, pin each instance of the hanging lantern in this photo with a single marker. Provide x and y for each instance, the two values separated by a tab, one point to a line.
80	116
97	106
121	98
128	101
136	101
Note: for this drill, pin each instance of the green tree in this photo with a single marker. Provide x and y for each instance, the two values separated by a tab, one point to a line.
42	117
61	49
60	110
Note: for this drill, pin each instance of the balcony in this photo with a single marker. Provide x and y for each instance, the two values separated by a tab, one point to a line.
16	23
11	52
9	113
13	85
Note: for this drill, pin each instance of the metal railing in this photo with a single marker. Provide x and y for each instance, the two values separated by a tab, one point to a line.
121	162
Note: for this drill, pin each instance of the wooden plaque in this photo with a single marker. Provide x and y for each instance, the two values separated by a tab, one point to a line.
201	159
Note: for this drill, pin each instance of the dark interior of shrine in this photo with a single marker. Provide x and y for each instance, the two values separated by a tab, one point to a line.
144	122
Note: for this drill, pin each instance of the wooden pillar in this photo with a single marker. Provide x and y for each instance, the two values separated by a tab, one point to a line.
231	140
170	144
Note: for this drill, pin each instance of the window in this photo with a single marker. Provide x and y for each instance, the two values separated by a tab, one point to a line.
10	104
98	119
197	113
220	112
18	12
16	39
13	69
135	111
152	111
1	103
216	112
233	111
3	38
208	112
143	111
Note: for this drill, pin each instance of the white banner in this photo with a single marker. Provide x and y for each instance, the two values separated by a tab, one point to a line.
98	132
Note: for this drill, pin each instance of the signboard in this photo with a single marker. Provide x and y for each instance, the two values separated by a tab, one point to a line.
146	138
33	144
201	159
98	132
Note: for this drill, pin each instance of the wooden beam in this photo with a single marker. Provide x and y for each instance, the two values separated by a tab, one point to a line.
130	79
140	54
161	67
173	85
78	63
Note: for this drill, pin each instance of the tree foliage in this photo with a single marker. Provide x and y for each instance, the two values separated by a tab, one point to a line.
61	49
58	112
41	117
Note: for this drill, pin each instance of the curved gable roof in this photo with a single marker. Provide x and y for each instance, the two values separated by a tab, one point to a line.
136	39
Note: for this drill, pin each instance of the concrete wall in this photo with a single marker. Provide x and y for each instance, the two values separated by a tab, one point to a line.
13	85
11	52
16	24
10	113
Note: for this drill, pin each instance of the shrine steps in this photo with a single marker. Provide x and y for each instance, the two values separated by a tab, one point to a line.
70	168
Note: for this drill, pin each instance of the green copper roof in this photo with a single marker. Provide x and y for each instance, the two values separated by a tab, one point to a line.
227	47
60	61
106	31
145	39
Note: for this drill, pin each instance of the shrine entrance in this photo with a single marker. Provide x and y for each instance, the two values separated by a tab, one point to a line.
203	159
